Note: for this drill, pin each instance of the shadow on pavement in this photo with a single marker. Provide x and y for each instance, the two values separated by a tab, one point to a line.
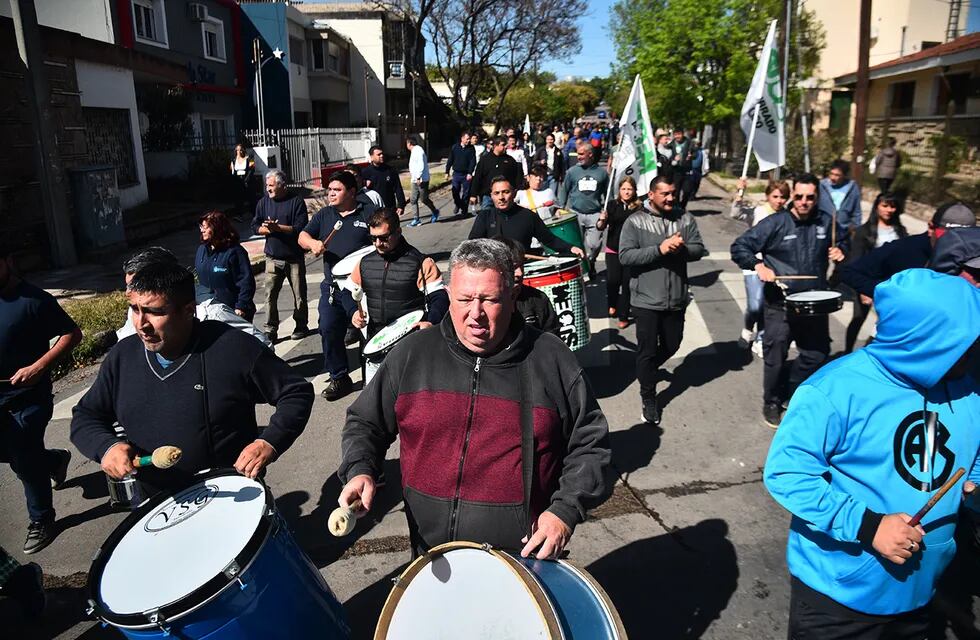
673	585
705	279
364	608
93	485
311	530
613	378
65	609
704	365
634	448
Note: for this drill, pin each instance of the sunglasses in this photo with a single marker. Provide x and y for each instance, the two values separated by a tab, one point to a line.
798	197
382	238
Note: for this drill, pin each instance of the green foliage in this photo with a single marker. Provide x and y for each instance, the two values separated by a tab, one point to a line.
557	102
955	148
92	315
696	57
825	147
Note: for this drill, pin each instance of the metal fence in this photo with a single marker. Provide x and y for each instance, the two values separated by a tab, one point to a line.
309	154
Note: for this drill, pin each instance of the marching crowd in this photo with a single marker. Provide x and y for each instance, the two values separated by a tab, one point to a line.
502	439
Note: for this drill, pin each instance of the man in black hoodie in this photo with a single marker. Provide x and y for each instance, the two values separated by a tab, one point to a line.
491	165
187	383
474	400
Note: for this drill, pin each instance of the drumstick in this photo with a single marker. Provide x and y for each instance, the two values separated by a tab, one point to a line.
921	513
342	519
833	229
162	458
796	277
528	256
336	227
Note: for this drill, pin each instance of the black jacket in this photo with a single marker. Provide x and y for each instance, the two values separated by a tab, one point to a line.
616	215
864	275
517	223
790	247
386	182
489	167
558	170
463	422
203	403
537	310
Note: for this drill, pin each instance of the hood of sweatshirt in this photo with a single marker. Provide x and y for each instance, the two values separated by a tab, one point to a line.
926	322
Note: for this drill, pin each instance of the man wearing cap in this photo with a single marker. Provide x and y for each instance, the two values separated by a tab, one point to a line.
907	253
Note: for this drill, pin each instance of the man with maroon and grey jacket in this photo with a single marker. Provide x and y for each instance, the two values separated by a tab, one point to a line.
502	440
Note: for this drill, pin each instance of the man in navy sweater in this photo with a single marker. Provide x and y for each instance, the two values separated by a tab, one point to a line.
462	164
187	383
280	216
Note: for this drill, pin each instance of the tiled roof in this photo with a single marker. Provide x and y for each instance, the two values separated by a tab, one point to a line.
957	45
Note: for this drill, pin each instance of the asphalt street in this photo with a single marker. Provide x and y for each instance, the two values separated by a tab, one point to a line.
689	546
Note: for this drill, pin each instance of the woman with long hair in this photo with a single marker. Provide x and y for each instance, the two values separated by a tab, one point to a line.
617	276
777	193
223	270
884	225
242	168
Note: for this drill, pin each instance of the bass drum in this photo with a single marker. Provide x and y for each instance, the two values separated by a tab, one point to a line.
213	561
472	591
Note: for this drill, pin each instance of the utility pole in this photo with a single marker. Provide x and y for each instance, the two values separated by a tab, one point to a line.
861	92
50	172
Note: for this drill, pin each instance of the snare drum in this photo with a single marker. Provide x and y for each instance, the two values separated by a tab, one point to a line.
212	561
813	303
342	270
561	280
385	339
467	590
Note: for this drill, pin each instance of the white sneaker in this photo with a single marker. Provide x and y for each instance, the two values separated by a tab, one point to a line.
745	339
757	348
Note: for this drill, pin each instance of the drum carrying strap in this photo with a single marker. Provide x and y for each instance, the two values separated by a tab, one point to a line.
207	412
527	441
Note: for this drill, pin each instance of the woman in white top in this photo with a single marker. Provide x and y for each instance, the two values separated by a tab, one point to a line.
537	198
777	193
883	226
242	168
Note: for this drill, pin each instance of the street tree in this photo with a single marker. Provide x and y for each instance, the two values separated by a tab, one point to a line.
696	57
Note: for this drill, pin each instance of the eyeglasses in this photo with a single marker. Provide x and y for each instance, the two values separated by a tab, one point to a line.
382	238
810	198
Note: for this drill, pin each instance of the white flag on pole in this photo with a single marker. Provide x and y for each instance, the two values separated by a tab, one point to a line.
527	123
637	154
766	91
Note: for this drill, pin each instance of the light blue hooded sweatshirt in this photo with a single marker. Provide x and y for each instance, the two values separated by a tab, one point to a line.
854	445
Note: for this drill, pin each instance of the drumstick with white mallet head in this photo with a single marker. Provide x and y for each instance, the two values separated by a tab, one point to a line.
342	519
162	458
336	227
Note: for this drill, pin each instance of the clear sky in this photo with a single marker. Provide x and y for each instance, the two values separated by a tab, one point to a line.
597	53
973	17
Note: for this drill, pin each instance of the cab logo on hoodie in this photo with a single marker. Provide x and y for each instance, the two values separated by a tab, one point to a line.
922	458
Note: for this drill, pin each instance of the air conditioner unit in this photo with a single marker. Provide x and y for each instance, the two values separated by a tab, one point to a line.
396	70
197	11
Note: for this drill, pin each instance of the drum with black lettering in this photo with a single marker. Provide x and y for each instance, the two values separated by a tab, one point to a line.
561	280
213	561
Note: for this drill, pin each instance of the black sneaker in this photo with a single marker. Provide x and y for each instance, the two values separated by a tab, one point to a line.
39	535
651	413
26	585
771	413
272	336
60	472
337	388
299	334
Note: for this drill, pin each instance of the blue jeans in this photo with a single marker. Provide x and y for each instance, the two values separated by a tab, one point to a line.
461	191
335	315
22	425
753	303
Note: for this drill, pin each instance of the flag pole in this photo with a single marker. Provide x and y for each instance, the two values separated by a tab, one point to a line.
803	118
748	150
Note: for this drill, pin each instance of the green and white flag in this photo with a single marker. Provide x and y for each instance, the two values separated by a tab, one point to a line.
769	143
637	154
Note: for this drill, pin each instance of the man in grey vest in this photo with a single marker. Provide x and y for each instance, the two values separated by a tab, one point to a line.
396	279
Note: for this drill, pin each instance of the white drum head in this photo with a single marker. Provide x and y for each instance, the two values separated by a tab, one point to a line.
466	593
813	296
346	265
392	333
181	544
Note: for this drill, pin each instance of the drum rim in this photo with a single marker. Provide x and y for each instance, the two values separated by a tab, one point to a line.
199	597
837	296
344	276
534	589
601	596
366	353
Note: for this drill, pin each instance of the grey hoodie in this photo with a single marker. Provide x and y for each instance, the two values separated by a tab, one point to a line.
658	282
